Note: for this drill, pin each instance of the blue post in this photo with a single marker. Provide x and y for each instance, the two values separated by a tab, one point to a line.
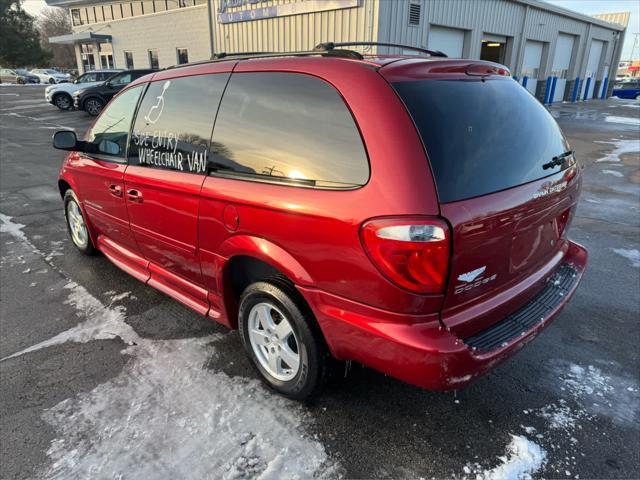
547	90
576	89
605	84
586	89
525	79
553	89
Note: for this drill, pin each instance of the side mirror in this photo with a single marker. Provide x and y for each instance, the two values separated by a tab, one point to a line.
65	140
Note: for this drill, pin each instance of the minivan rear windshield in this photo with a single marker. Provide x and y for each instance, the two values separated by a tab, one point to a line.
482	136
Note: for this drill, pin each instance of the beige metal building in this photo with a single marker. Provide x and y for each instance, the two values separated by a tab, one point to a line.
534	39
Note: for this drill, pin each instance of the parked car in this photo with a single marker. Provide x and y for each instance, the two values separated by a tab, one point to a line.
49	75
17	75
93	99
61	95
393	211
629	88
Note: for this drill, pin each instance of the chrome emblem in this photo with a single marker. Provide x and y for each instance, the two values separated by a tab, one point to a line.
472	275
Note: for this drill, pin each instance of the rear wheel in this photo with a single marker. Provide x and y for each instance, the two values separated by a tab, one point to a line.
20	81
76	224
283	346
93	106
62	101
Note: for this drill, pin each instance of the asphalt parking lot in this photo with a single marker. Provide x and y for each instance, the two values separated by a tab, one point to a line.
103	377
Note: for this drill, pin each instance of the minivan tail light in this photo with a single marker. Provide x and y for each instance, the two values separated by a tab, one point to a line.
412	252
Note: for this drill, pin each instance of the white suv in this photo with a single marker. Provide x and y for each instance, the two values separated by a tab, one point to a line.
49	75
61	95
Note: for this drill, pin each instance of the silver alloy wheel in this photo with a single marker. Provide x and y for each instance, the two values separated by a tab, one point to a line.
77	227
62	101
93	106
273	341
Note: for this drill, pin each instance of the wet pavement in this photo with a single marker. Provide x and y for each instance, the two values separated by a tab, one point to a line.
119	381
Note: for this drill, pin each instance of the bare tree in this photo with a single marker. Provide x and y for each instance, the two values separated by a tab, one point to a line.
53	22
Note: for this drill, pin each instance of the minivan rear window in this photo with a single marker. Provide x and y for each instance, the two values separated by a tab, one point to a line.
482	136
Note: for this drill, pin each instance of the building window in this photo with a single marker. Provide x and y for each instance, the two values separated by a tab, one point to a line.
153	59
128	60
75	17
414	14
88	60
183	56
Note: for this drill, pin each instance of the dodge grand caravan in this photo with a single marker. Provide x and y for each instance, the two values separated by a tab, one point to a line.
409	213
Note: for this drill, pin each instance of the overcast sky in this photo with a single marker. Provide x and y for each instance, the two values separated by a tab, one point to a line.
587	7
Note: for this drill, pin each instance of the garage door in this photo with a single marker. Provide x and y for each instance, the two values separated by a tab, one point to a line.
447	40
531	64
592	68
561	63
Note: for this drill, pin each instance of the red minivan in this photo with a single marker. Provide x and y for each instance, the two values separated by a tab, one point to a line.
406	212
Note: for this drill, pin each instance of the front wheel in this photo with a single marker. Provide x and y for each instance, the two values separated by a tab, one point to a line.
286	350
20	81
52	81
62	101
76	225
93	106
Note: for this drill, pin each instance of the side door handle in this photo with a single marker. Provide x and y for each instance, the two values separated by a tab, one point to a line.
115	190
134	195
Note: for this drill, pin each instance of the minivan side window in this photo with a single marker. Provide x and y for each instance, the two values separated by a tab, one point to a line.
174	122
110	133
287	127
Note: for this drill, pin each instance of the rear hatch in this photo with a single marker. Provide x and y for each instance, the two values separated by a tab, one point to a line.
506	183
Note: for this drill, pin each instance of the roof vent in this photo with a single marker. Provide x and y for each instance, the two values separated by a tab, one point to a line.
414	13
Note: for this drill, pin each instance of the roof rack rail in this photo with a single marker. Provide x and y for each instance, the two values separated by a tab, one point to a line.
331	52
329	46
217	56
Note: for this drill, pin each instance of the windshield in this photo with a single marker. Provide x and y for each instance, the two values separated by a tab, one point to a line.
51	72
22	71
482	136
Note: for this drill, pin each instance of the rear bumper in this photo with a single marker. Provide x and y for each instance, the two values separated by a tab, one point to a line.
420	351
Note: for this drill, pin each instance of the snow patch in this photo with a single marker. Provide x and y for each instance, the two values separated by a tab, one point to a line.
629	253
522	460
615	173
621	147
102	323
13	229
166	416
623	120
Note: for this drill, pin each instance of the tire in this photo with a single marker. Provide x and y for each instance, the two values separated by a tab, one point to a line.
274	302
63	101
52	81
76	225
20	81
93	106
638	97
